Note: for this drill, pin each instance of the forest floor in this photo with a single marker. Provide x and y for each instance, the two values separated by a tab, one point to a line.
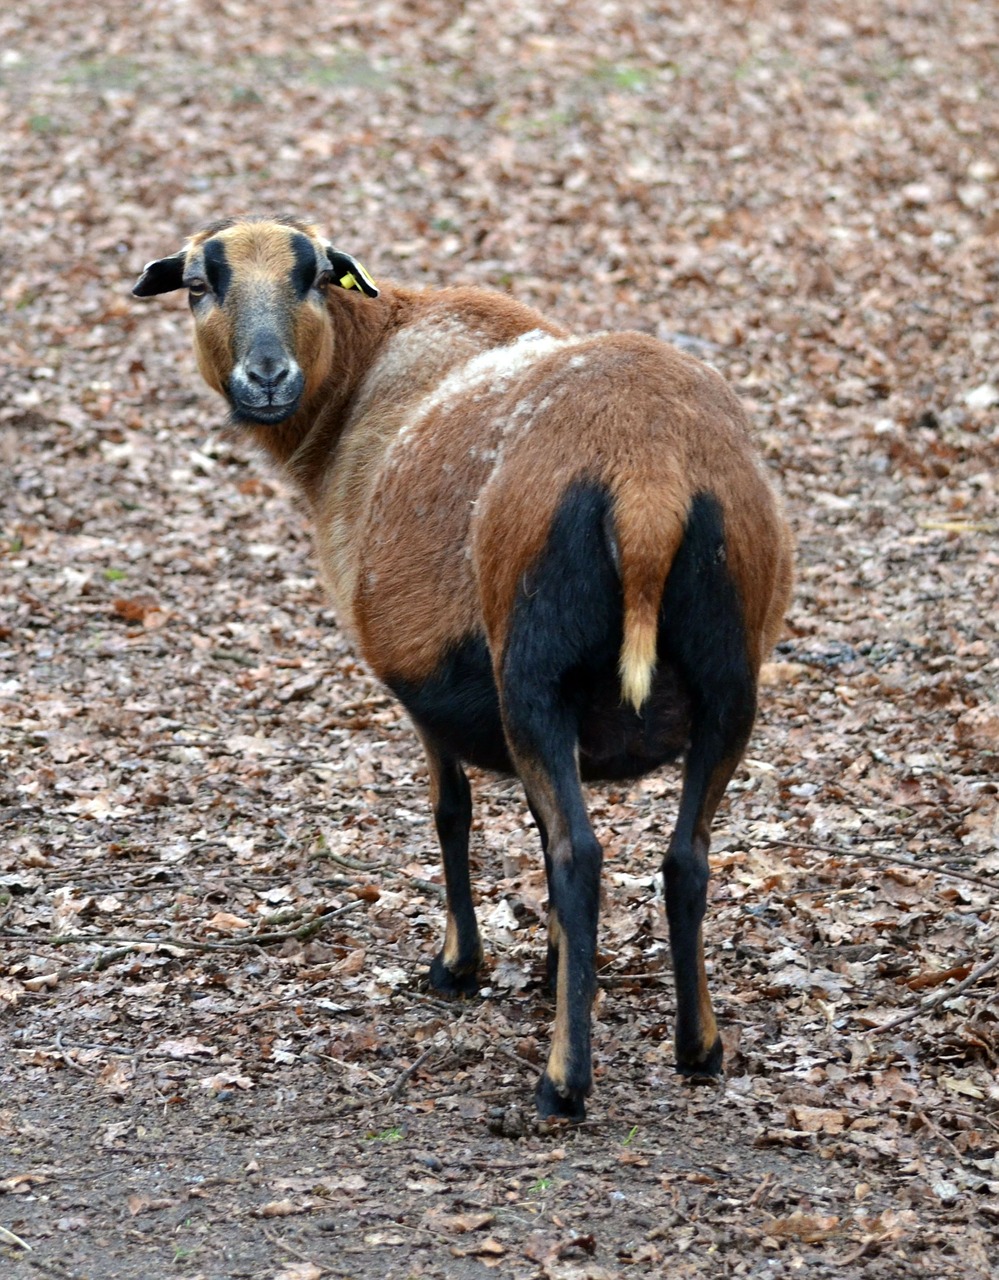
219	886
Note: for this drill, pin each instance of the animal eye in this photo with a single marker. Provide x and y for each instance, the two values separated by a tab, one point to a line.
323	279
197	288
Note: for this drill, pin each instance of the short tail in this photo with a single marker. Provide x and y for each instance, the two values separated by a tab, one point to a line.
648	527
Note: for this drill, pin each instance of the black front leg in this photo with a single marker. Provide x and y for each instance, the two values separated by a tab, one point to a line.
454	970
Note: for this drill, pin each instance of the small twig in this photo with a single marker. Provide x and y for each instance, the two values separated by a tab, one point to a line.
762	1193
893	859
102	961
937	1133
104	1049
451	1007
961	526
282	917
84	1071
8	1237
608	979
351	1066
354	864
977	1117
865	1247
281	1243
426	886
302	933
68	939
940	996
396	1091
514	1056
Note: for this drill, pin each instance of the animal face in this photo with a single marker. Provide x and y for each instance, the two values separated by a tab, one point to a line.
263	336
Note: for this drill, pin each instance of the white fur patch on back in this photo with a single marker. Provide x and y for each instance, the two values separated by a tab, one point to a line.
413	354
492	370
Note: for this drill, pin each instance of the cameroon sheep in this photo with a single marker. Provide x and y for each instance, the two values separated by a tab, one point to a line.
561	554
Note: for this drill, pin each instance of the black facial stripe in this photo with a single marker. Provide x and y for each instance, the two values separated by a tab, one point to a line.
217	269
303	273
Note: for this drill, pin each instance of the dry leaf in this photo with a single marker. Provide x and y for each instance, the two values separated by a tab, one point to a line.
226	1080
116	1078
458	1223
20	1183
489	1248
299	1271
510	976
966	1087
979	728
148	1204
225	922
351	964
809	1228
279	1209
817	1119
138	609
44	981
936	977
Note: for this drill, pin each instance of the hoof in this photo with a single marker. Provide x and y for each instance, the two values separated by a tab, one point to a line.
704	1069
447	983
553	1105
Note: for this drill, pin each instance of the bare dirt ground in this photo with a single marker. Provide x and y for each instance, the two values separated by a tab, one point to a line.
219	888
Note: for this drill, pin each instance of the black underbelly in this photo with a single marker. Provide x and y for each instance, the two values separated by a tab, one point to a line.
616	742
458	707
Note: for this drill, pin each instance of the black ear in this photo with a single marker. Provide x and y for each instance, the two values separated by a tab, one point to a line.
161	277
349	273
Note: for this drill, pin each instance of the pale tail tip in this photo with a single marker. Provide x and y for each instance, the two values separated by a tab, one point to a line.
638	664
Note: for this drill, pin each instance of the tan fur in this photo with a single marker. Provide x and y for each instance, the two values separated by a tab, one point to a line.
706	1019
450	950
649	530
560	1050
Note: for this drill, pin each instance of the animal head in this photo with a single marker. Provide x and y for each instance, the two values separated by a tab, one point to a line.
257	290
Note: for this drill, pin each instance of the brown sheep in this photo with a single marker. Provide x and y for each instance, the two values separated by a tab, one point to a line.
561	553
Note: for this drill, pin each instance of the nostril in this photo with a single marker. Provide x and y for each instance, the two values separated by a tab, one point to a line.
267	374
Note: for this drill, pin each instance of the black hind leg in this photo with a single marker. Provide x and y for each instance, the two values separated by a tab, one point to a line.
454	970
565	625
573	858
703	635
685	876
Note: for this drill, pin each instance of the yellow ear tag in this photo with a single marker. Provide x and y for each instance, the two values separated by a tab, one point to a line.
353	275
365	283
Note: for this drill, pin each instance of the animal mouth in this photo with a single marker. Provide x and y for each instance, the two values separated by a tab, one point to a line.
267	412
265	393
